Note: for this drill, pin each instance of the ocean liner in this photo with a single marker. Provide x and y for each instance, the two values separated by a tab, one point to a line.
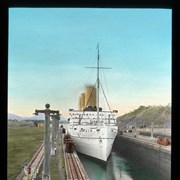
92	129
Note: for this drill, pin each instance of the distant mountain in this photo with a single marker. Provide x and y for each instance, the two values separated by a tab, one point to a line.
14	117
40	116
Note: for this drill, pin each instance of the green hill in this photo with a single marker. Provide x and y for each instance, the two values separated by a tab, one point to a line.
144	115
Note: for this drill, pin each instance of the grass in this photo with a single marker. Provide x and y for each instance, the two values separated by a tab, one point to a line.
54	168
57	166
62	168
23	142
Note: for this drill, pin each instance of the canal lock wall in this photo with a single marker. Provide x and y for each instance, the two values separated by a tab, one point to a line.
151	155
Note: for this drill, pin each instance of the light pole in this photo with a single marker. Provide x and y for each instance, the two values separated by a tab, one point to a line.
152	129
135	134
55	122
53	135
57	129
164	128
46	164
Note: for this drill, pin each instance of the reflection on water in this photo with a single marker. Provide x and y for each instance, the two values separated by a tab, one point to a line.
119	167
116	168
94	168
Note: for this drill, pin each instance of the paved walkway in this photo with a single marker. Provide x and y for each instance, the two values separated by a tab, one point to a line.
147	139
34	166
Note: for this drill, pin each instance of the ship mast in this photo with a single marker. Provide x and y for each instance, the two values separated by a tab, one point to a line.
98	82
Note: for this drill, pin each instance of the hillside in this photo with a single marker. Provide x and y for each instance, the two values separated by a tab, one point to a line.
144	115
14	117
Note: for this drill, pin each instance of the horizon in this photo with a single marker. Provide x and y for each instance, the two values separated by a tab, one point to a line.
49	49
35	117
169	104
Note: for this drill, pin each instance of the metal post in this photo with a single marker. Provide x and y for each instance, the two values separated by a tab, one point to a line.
152	126
60	134
53	135
135	129
57	130
46	164
164	129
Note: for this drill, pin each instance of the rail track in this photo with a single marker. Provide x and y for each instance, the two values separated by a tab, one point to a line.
73	165
34	164
74	168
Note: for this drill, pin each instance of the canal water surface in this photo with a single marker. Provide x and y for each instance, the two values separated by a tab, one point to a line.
117	168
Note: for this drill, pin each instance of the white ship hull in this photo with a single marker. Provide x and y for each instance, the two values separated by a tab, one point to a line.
94	141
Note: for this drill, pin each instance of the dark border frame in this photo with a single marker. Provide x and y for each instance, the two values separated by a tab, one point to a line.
164	4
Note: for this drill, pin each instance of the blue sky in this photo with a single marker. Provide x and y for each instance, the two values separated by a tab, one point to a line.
49	49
